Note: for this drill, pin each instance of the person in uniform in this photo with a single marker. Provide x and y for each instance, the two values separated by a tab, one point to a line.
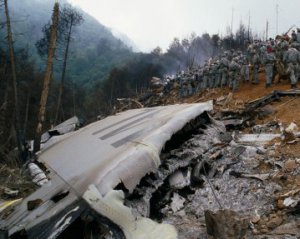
244	68
291	60
224	64
255	62
205	76
234	74
294	36
298	35
269	61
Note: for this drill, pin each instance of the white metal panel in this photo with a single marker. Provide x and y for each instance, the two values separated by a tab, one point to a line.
123	147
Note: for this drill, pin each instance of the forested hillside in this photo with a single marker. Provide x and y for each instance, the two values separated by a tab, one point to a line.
94	49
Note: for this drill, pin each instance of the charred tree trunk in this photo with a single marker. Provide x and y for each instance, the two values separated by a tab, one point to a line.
14	81
47	78
3	119
62	83
26	113
6	113
74	101
4	101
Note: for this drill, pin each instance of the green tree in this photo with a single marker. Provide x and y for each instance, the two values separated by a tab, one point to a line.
70	18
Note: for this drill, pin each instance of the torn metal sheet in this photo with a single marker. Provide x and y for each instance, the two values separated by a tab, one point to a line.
118	149
233	122
290	202
54	140
134	228
261	177
259	138
177	202
178	180
121	148
63	128
38	176
42	220
275	95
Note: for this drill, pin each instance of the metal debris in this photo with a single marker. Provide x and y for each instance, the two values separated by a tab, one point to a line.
119	149
134	228
38	176
177	202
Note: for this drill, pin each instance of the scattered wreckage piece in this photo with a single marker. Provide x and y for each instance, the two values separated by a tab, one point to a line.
233	122
269	127
120	149
111	205
44	212
275	95
253	105
261	177
290	200
256	138
58	132
128	103
265	137
63	128
38	176
242	117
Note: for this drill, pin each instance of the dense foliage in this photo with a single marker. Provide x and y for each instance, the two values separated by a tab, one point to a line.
95	51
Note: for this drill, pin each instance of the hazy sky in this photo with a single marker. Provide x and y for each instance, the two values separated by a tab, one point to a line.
151	23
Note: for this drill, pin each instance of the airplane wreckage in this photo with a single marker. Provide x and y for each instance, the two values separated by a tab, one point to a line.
87	165
163	172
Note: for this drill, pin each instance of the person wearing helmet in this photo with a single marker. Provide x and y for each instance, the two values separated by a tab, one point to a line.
298	35
282	47
224	64
255	62
269	61
205	76
200	80
219	79
291	60
294	36
215	74
234	74
244	68
296	45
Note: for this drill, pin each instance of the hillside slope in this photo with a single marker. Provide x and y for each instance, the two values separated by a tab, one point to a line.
94	49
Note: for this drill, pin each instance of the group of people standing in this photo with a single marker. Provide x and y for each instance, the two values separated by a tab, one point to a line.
279	58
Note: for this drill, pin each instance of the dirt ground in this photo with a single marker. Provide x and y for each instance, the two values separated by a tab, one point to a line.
247	92
286	111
